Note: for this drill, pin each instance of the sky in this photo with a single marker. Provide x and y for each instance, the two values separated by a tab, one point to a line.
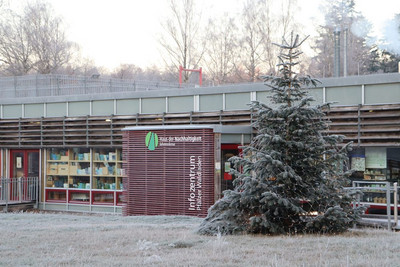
127	31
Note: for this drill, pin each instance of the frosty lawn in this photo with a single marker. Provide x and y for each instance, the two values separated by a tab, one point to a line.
104	240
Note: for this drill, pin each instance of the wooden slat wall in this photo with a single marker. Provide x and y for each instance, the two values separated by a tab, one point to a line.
374	125
165	181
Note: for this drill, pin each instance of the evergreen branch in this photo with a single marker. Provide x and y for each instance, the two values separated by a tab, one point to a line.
290	171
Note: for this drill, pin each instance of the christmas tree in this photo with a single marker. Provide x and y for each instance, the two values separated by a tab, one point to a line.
290	178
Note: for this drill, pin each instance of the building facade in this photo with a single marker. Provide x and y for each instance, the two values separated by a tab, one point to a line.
69	131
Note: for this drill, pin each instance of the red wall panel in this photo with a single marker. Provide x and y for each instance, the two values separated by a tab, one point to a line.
170	173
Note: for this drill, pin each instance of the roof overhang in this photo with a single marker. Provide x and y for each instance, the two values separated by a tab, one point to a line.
224	129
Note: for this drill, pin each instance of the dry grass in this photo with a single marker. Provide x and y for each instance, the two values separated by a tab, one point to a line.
107	240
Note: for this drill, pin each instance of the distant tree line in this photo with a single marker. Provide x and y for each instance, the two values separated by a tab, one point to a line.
230	48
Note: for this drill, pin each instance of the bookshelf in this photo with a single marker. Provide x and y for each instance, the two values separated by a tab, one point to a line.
83	175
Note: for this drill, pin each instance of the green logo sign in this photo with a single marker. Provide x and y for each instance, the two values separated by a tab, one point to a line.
151	140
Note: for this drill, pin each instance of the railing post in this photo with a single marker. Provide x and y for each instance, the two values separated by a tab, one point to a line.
355	200
19	181
15	86
388	212
395	202
7	192
37	192
58	85
359	125
30	190
36	85
84	81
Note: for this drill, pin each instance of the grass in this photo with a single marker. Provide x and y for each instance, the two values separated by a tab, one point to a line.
43	239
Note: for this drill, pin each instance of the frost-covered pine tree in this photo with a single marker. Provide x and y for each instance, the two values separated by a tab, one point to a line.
290	178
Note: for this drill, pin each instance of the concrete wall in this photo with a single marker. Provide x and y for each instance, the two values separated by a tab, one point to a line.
370	89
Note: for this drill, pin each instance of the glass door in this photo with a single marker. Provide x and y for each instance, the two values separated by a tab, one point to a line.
33	164
23	164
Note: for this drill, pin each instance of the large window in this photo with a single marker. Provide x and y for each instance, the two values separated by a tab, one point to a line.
376	164
84	176
376	168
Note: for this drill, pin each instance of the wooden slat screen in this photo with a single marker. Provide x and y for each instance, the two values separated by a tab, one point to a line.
176	177
372	125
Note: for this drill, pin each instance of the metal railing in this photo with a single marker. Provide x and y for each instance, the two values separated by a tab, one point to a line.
61	85
383	188
18	190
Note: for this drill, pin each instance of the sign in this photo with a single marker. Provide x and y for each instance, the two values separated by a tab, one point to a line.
19	162
195	180
172	140
151	140
375	158
169	171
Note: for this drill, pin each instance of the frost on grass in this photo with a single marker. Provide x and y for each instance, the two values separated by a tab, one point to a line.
153	259
146	245
108	240
181	244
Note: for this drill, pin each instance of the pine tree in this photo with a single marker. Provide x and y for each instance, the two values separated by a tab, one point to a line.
292	175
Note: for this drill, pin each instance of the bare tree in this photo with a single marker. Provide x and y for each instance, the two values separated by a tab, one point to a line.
127	71
131	71
254	21
47	37
261	27
15	49
286	18
180	40
82	66
33	41
222	49
322	65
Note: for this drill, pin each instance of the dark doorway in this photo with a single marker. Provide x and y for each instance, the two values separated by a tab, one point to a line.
228	151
